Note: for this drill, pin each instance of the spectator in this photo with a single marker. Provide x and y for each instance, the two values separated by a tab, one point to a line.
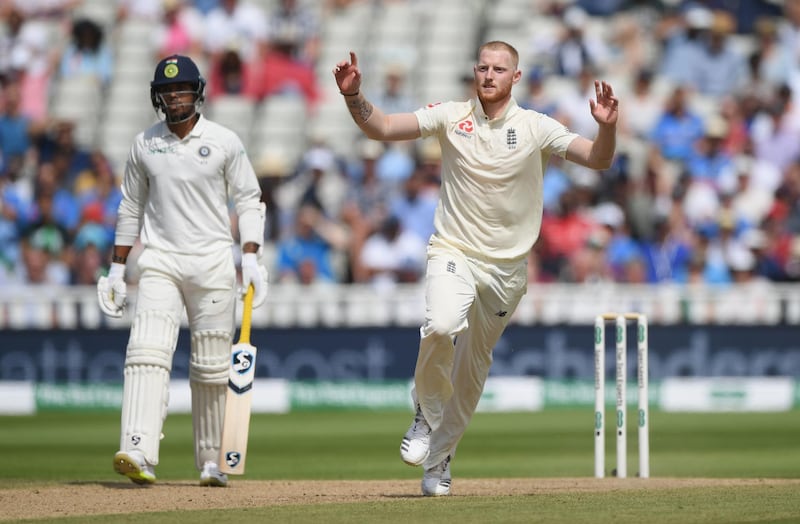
564	232
290	17
715	68
766	263
87	54
396	164
394	95
365	205
393	255
236	23
31	59
90	255
578	50
643	108
789	28
415	207
90	247
588	264
41	262
59	146
771	63
305	255
707	264
682	37
750	201
231	75
277	72
570	106
53	202
619	246
668	255
179	31
272	169
775	132
319	183
16	130
537	97
676	130
99	189
708	160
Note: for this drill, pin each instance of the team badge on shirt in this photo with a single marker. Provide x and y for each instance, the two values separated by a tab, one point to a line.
511	138
204	151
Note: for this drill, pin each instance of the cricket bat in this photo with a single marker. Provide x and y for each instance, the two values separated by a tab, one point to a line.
239	397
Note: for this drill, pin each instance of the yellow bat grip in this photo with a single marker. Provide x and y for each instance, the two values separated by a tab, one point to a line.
247	315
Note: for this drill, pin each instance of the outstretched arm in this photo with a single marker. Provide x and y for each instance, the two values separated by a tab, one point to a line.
372	121
598	153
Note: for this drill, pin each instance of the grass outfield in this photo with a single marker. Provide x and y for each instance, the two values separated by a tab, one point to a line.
56	450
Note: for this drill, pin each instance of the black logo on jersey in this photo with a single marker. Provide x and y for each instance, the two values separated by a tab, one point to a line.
511	138
136	439
501	313
451	266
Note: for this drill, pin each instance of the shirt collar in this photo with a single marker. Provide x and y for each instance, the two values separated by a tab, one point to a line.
477	109
196	131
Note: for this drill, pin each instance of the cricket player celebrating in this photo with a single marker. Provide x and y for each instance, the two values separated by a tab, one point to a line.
493	158
180	176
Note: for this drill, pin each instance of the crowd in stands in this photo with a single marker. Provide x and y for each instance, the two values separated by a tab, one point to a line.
705	187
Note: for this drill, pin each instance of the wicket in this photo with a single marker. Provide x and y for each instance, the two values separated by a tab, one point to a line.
620	322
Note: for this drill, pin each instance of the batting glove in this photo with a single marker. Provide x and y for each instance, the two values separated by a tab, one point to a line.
256	274
112	291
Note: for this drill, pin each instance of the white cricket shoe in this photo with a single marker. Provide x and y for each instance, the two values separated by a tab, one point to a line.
133	465
212	476
415	446
436	480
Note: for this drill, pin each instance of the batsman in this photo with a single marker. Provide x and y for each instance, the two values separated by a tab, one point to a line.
180	177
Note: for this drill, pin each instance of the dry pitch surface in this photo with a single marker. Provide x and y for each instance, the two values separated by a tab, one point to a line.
75	499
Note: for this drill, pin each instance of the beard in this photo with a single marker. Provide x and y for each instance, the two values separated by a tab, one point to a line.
494	94
179	112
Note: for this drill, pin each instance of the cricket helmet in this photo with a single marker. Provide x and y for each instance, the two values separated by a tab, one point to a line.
176	69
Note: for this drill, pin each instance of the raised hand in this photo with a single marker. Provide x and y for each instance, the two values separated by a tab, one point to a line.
348	76
605	109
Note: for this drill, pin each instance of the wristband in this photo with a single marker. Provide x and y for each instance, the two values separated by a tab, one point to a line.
118	259
349	94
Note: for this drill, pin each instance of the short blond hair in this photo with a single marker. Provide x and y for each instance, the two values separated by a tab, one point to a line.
499	45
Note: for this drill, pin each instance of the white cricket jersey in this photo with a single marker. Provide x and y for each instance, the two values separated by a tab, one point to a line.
175	192
491	195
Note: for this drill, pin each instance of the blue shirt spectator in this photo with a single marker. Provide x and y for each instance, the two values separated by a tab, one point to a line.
304	256
677	130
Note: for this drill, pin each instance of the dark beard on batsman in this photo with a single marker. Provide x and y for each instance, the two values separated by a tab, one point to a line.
177	89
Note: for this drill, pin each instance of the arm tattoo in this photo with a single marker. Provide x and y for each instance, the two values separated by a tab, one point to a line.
360	109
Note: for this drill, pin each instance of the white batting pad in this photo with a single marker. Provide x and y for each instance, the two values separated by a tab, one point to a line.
208	377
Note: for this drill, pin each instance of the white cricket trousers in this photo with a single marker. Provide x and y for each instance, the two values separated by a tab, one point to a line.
170	284
469	302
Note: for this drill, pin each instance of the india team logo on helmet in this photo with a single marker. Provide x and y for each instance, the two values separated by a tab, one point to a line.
171	69
176	69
